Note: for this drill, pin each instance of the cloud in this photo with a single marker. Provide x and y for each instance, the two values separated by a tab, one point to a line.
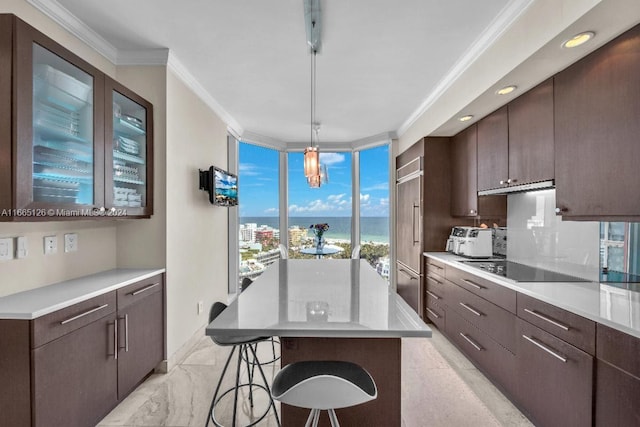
334	202
271	211
378	186
364	198
248	169
330	159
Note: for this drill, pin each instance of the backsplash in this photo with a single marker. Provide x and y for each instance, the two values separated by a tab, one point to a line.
536	236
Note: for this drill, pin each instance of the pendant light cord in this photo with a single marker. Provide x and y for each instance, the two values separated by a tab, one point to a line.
313	92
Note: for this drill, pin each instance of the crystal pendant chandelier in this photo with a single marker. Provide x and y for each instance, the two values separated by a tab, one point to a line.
312	167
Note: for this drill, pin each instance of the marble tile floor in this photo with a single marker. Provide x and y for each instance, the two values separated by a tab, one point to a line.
440	387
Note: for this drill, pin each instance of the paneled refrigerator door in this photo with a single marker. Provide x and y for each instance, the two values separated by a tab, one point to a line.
59	128
129	153
409	223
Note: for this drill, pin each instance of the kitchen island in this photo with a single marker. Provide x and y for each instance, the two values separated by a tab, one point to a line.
330	310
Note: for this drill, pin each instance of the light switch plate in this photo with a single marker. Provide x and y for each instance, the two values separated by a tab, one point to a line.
50	245
70	242
22	248
6	249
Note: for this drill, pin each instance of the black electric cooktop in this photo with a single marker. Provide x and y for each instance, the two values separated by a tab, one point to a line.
520	272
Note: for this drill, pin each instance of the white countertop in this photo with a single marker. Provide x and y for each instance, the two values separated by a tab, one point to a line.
37	302
611	306
359	304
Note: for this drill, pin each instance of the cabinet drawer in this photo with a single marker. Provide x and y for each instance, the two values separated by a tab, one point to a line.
567	326
54	325
435	313
492	358
619	349
139	290
496	322
497	294
556	379
438	289
435	267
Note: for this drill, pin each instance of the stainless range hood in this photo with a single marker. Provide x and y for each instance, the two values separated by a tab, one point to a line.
542	185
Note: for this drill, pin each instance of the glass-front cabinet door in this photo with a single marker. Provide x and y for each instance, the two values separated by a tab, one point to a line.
128	153
59	127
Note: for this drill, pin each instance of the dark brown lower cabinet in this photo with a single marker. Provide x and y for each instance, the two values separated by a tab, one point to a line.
489	356
555	379
74	377
72	366
141	347
617	396
409	287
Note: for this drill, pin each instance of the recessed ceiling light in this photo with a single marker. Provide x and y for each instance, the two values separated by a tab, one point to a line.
466	118
506	90
578	39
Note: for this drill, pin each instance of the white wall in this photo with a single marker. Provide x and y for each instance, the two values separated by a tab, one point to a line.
197	254
539	238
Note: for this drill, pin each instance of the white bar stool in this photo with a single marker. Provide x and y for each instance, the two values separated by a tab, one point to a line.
323	385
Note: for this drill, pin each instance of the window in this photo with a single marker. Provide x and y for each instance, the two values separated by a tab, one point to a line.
330	204
259	195
374	208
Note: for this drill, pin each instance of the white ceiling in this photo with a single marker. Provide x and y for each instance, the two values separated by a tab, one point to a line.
380	59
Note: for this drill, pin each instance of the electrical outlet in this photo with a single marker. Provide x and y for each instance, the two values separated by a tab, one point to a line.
6	249
200	307
70	242
22	249
50	245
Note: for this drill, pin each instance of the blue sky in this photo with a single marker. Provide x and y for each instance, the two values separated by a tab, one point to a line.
258	183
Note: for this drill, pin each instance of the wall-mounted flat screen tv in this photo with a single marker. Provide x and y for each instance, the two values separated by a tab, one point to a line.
221	185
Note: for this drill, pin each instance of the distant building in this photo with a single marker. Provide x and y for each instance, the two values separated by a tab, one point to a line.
382	267
263	235
247	232
268	257
296	235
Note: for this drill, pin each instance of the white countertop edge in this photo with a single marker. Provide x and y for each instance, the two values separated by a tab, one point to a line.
137	275
442	257
321	333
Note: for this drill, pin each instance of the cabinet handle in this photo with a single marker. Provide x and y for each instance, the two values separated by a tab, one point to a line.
433	295
408	274
474	311
126	333
512	180
433	313
545	348
413	226
115	339
472	342
472	212
502	182
435	280
546	319
436	266
86	313
475	285
561	210
139	291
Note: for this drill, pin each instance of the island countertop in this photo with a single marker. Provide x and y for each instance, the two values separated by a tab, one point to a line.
37	302
603	303
320	298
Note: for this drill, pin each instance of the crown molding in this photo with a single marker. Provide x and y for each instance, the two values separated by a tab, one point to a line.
509	14
69	22
175	65
158	56
263	141
161	56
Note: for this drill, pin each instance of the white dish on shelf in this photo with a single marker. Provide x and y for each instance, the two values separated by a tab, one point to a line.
63	81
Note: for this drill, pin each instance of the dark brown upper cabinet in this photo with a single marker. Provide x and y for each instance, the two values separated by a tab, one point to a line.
515	143
54	111
464	181
493	150
531	140
128	152
464	176
597	105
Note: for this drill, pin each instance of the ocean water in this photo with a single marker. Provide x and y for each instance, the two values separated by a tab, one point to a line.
374	229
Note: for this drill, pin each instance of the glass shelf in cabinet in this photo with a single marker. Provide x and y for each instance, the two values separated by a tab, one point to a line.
127	129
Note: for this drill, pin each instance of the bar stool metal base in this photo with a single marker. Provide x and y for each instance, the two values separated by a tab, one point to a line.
245	352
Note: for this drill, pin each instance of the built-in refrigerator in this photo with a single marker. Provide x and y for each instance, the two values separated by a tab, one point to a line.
423	213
